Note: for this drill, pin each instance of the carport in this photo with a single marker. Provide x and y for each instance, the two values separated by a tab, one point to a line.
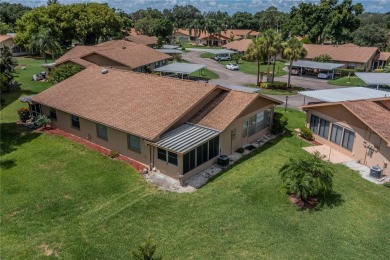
374	79
169	51
316	65
343	94
180	68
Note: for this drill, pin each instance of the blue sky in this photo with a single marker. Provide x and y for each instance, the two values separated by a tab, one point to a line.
230	6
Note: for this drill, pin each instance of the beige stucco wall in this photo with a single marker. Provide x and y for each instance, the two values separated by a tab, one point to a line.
364	137
117	140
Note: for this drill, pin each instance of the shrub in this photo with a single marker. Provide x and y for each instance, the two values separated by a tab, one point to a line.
279	123
63	72
24	114
360	70
345	72
306	133
387	185
274	85
323	58
183	48
113	154
379	70
240	150
42	120
146	251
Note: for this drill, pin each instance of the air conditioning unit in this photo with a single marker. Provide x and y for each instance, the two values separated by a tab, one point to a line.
376	172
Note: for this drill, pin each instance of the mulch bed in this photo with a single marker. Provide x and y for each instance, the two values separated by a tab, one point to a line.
310	204
54	131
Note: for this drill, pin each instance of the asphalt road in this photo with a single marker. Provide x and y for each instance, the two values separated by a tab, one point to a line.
228	77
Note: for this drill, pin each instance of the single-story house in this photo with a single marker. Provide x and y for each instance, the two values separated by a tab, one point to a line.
359	129
149	41
351	55
177	126
239	46
118	54
7	40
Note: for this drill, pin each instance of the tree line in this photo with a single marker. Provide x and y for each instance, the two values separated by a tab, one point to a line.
329	21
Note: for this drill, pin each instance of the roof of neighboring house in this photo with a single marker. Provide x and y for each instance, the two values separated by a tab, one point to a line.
383	56
132	31
142	104
142	39
345	53
127	53
5	37
375	113
240	45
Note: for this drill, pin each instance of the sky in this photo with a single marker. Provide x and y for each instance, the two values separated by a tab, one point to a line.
230	6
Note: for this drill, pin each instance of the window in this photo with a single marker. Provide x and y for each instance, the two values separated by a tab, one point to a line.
161	154
324	128
101	131
245	129
201	154
267	117
134	143
172	158
53	114
259	121
314	120
75	122
35	110
252	124
336	134
348	138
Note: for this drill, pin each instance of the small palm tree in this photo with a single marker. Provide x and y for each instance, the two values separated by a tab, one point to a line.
257	51
307	177
293	50
45	42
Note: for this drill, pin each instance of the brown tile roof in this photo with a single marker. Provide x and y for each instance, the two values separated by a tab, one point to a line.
341	52
124	52
142	39
383	56
141	104
227	108
5	37
375	113
240	45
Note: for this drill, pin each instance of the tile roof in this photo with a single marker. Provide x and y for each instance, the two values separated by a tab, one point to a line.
141	104
240	45
127	53
142	39
5	37
383	56
375	113
346	53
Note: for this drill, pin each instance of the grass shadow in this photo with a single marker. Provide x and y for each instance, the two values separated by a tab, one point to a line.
7	164
13	95
13	136
331	200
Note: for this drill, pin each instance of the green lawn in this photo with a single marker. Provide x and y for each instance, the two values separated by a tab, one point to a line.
292	91
205	73
207	55
251	67
189	45
59	198
353	81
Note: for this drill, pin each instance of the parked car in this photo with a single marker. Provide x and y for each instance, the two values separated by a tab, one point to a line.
232	66
220	57
325	75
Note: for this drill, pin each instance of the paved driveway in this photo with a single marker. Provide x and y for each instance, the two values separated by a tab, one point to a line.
229	77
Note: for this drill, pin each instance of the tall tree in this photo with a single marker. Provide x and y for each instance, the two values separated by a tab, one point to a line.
270	18
372	35
257	51
242	20
7	66
9	13
45	43
293	50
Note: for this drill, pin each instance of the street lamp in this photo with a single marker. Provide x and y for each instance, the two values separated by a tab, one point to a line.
285	107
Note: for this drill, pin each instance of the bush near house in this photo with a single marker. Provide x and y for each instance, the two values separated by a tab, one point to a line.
113	154
306	133
42	120
279	123
24	114
63	72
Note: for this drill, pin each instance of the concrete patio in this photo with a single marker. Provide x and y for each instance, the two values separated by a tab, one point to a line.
330	155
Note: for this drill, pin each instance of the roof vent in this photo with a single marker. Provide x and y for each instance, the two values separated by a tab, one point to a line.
124	47
104	71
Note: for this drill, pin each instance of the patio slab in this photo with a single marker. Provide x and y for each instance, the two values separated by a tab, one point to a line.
331	155
365	172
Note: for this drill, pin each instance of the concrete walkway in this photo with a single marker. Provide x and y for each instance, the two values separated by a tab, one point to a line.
330	155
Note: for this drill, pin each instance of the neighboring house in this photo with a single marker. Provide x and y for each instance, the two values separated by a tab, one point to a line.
359	129
142	39
240	45
8	41
175	125
118	54
353	56
202	37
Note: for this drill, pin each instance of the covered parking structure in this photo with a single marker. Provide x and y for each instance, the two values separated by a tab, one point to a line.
181	69
321	66
343	94
169	51
374	79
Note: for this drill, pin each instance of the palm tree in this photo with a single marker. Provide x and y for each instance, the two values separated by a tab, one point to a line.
45	42
307	177
293	51
209	28
257	51
275	48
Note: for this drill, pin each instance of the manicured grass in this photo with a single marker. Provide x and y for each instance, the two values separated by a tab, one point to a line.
353	81
251	67
57	195
207	55
206	73
189	45
291	91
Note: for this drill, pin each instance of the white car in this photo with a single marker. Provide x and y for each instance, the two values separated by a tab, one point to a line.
232	66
